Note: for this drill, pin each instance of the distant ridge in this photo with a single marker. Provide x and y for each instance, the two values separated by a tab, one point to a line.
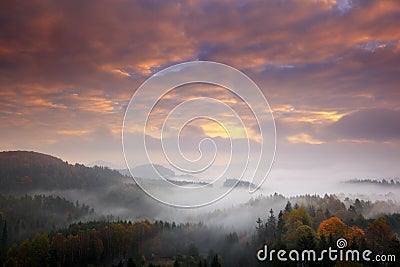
152	171
102	163
381	182
238	183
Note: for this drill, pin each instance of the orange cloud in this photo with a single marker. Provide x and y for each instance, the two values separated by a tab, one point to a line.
304	138
71	66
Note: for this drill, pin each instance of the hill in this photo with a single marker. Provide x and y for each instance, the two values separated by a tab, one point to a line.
26	171
152	171
107	191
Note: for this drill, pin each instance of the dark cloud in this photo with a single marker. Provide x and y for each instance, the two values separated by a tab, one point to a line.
372	124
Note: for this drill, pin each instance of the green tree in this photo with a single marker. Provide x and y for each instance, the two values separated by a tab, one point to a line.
216	262
3	243
40	250
280	225
4	237
193	251
394	249
304	236
271	228
131	263
288	207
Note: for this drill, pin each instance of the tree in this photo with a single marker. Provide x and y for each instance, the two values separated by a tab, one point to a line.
259	224
24	252
333	226
260	230
296	218
176	263
96	247
303	235
271	228
394	249
358	207
4	237
271	220
379	234
288	207
322	245
280	225
3	243
40	250
216	261
355	235
193	251
131	263
307	240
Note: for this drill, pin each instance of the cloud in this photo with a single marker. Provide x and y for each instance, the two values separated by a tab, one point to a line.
372	124
69	68
304	138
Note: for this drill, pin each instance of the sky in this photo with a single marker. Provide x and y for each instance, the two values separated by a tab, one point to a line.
330	71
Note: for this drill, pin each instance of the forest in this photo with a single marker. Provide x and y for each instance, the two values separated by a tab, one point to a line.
51	230
159	243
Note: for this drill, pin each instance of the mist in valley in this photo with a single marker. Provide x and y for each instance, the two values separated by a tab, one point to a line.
235	212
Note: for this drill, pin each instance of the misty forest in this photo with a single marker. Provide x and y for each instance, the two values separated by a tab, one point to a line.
53	213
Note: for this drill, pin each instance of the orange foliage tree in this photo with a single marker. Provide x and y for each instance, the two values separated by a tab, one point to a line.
355	235
332	226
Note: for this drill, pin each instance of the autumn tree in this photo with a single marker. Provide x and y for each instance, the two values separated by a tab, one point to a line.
355	236
332	226
379	234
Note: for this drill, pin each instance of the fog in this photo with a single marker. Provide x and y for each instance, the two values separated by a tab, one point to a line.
235	211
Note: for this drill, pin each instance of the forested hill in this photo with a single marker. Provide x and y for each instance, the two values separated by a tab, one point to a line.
25	171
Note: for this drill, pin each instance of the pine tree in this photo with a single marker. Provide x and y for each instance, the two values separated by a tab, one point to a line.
311	211
215	262
288	207
4	239
131	263
271	227
259	224
322	243
3	247
280	226
394	249
260	230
